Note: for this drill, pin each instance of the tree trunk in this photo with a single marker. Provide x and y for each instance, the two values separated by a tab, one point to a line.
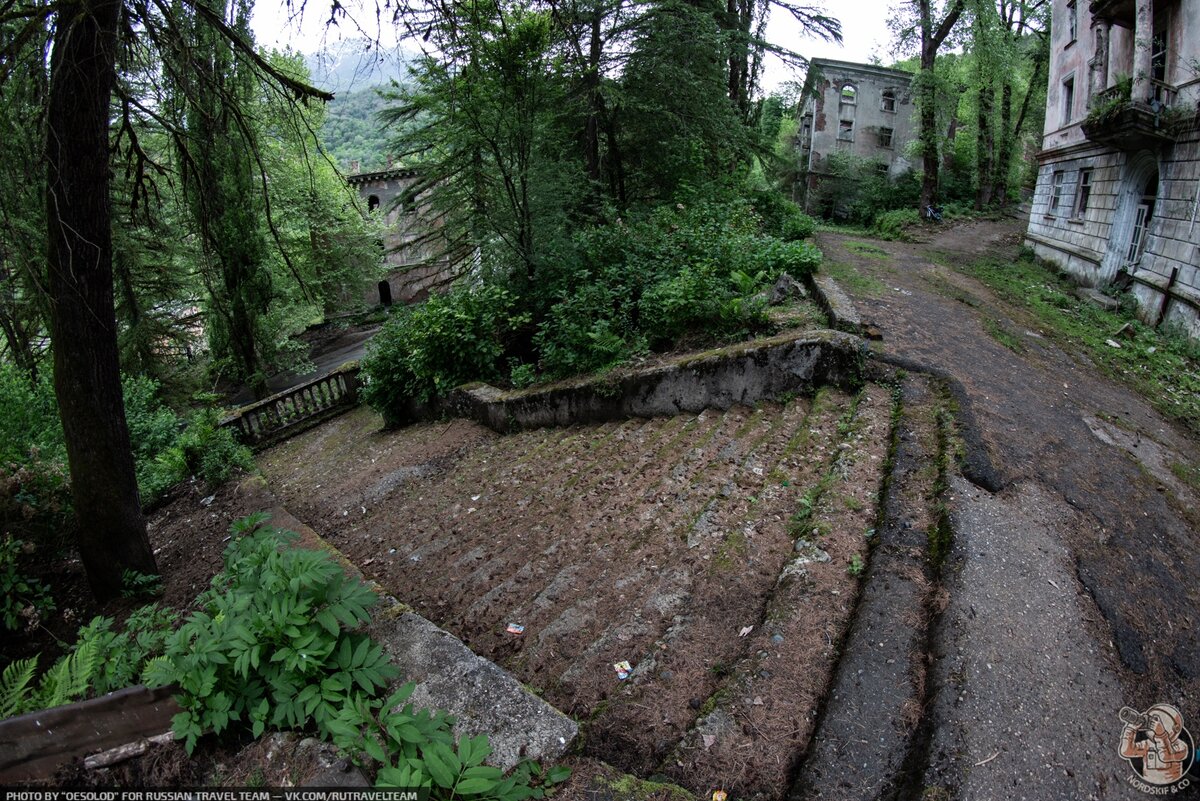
595	101
983	144
927	104
931	40
83	325
1004	153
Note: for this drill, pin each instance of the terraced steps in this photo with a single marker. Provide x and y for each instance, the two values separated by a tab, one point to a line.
654	541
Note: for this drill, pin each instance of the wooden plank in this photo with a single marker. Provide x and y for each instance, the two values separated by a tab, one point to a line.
33	746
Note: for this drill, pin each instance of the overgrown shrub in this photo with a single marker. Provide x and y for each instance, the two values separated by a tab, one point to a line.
24	600
203	449
781	217
273	643
429	349
99	662
856	190
894	224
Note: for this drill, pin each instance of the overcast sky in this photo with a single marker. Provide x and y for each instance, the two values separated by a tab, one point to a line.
864	32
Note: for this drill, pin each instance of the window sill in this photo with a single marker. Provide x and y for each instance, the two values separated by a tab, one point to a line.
1067	46
1076	220
1049	217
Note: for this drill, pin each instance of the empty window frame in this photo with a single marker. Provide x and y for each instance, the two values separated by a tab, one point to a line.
1083	192
1056	191
1068	100
1072	21
885	137
888	101
849	93
846	130
882	169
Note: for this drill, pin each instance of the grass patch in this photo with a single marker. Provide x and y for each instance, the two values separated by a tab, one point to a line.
1001	335
864	249
852	278
946	289
1163	366
1187	473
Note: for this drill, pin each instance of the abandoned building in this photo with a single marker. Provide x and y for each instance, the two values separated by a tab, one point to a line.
415	255
1119	171
859	109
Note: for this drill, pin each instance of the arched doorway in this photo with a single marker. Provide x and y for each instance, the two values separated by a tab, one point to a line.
1136	196
1143	213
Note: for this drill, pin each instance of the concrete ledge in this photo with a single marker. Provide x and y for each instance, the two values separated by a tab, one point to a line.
745	373
481	696
836	303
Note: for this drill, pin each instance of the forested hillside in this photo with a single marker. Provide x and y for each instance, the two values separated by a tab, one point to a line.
352	131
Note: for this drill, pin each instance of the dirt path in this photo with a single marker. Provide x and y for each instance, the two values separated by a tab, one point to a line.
1073	589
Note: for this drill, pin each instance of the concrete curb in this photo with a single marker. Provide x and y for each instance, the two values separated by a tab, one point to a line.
482	697
745	373
871	714
836	304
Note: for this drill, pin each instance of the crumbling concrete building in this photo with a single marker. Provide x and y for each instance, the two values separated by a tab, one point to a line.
1119	171
859	109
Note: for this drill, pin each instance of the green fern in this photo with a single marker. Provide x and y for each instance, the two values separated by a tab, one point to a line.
68	679
14	687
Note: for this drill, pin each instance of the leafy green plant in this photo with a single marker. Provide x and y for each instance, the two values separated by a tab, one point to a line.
127	652
203	449
856	566
416	748
66	681
272	643
140	585
23	600
894	224
427	350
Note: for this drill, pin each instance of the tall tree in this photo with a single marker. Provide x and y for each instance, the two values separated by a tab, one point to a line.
87	379
919	24
85	42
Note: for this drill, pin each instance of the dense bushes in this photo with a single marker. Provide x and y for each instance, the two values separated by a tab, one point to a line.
425	350
35	494
649	281
856	190
894	224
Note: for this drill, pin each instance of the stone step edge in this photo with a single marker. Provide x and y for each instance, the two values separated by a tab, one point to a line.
481	696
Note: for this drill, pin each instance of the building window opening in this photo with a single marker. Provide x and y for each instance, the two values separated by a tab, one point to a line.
1083	192
1158	56
889	100
885	137
1072	21
1057	192
849	93
846	130
1068	99
372	202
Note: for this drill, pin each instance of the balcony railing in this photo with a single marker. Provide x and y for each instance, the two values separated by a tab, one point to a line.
280	416
1126	123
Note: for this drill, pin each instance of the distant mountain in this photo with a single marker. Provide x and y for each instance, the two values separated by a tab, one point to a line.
352	131
351	66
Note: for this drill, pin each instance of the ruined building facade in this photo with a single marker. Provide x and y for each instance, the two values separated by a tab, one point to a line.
417	260
859	109
1119	171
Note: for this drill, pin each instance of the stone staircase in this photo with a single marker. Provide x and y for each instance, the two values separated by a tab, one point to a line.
716	552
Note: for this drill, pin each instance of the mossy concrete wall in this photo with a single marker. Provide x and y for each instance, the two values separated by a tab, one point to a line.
745	373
